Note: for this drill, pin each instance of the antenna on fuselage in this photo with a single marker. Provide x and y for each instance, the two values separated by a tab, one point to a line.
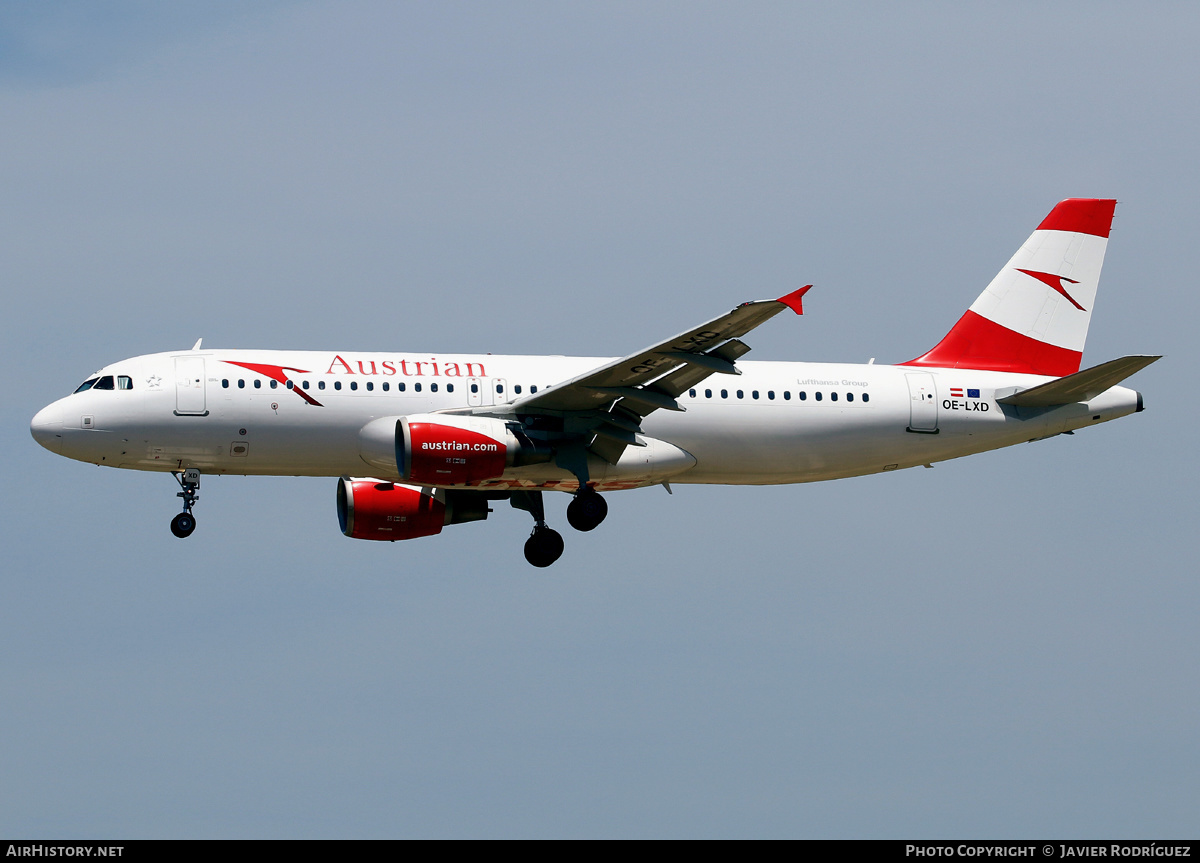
196	346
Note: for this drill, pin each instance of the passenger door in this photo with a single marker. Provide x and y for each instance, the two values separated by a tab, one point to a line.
923	408
189	387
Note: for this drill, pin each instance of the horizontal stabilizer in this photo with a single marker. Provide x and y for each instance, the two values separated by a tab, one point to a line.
1081	386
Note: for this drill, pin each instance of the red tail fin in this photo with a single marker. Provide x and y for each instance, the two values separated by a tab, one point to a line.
1033	317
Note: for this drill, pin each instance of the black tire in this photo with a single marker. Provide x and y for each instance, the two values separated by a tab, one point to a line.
183	524
544	546
586	510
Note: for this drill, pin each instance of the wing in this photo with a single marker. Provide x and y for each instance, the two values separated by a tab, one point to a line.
606	405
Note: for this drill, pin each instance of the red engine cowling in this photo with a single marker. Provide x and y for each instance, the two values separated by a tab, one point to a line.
446	450
454	450
373	509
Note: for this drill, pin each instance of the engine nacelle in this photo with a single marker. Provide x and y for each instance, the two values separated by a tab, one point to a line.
374	509
455	450
440	449
377	509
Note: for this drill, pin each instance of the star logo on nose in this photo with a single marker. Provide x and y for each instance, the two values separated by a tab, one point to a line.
154	382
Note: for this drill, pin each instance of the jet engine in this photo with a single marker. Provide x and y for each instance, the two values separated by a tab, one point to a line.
441	449
376	509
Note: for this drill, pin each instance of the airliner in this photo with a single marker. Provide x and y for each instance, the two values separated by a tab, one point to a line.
419	441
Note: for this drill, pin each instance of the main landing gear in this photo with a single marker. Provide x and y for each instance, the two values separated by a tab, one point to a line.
545	545
183	524
586	510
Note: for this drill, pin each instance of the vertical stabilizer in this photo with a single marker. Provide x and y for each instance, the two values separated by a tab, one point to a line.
1033	318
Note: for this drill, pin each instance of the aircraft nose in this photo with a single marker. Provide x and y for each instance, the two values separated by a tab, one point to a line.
47	427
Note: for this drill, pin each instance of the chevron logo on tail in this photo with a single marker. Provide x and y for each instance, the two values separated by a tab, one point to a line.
1055	282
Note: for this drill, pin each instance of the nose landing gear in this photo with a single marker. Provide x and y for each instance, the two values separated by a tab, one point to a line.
183	524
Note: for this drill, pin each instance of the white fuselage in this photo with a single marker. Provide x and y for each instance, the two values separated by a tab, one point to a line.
777	422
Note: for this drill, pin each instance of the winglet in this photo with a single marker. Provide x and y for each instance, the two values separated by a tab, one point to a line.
196	346
792	300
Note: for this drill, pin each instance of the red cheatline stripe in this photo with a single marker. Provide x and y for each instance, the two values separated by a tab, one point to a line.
1081	216
276	373
977	343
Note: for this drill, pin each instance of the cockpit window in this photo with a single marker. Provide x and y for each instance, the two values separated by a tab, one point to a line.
87	385
105	383
124	382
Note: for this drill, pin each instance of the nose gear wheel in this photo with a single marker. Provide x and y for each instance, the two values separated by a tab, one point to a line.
183	524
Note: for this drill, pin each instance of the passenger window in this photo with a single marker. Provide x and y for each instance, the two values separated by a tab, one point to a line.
833	397
304	384
754	394
386	386
87	385
803	395
417	387
787	395
817	396
450	388
274	384
370	386
290	385
258	383
474	388
724	394
353	385
691	394
499	388
517	389
866	397
320	385
533	389
849	397
771	395
400	387
708	394
241	383
225	383
740	394
433	388
337	385
124	382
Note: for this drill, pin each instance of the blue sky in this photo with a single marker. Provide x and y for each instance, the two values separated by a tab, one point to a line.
1001	646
